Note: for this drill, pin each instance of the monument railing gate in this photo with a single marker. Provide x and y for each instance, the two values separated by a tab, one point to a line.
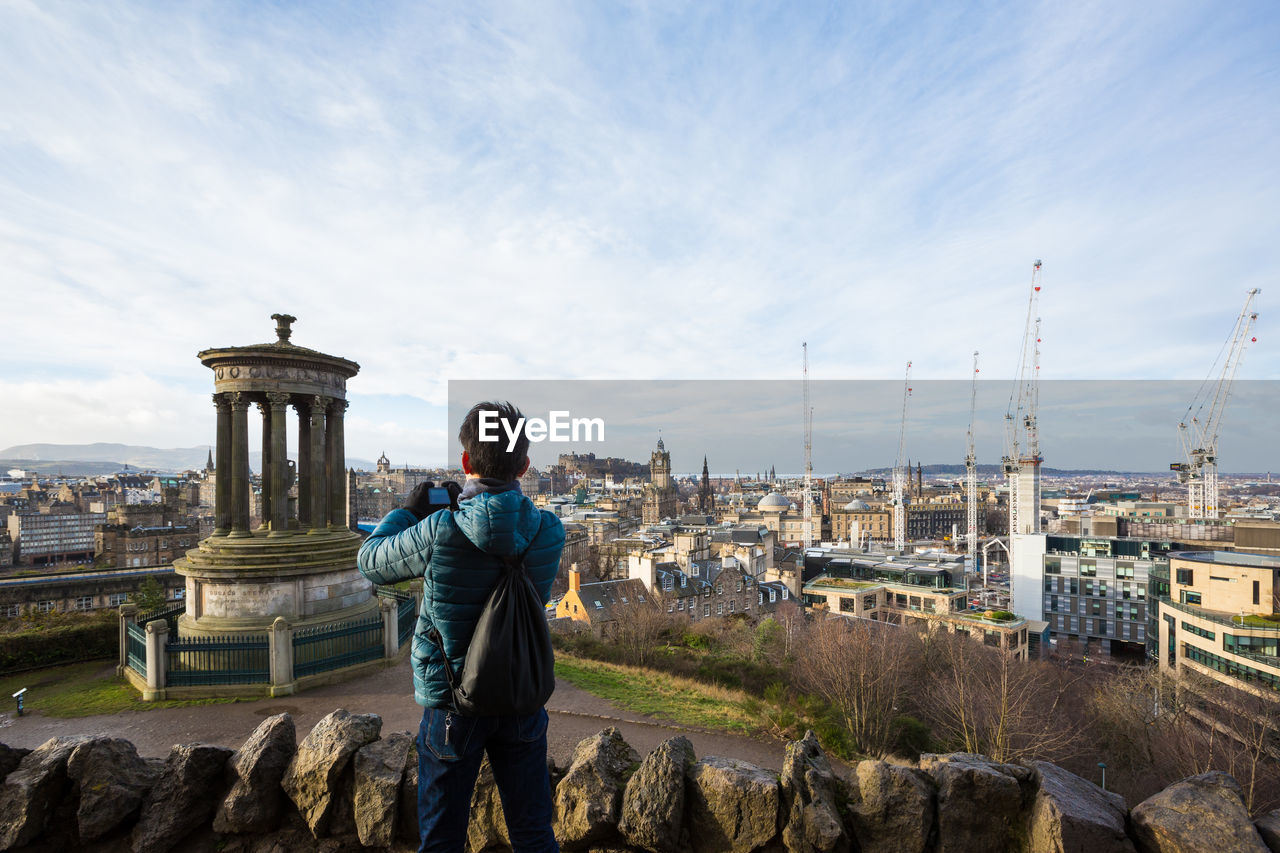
232	659
151	648
335	646
136	647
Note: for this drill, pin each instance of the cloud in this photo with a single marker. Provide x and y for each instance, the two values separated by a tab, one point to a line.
480	191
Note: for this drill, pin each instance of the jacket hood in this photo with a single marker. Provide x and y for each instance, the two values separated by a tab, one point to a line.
498	523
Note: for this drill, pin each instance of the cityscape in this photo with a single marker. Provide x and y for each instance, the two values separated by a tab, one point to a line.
899	380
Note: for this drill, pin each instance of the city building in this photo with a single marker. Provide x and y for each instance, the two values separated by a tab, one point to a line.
925	591
661	495
1219	617
58	534
600	604
82	591
121	546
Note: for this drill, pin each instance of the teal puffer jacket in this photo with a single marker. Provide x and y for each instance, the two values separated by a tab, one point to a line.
457	555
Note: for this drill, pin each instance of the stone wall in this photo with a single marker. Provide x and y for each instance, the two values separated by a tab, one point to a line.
346	787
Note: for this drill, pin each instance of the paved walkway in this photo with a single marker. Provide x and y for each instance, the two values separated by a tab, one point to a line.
575	714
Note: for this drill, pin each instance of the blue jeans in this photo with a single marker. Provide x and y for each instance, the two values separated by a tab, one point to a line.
448	767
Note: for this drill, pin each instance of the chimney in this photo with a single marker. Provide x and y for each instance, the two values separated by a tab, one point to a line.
575	578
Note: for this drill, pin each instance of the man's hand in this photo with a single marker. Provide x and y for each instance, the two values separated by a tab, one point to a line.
419	501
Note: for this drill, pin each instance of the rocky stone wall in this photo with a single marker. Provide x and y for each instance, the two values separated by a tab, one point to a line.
347	787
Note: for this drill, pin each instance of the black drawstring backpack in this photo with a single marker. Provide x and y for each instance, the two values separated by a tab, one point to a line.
509	666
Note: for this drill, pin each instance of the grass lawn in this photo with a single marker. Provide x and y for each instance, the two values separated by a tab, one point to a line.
668	697
82	690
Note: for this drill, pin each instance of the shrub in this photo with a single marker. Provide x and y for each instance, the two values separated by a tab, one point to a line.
41	647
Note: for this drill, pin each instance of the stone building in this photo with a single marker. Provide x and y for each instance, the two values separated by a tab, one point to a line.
661	496
299	564
60	533
122	546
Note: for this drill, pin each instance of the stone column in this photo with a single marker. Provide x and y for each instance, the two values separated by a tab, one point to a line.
264	409
279	483
319	494
280	643
157	635
222	468
390	629
239	464
336	465
304	464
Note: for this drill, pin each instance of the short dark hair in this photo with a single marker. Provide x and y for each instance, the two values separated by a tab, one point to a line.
492	458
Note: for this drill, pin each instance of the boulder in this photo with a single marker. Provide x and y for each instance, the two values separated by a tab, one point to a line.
892	808
379	770
10	758
1200	813
979	801
488	827
589	798
811	820
317	776
32	791
112	780
1268	827
184	797
732	806
407	828
1073	815
653	802
255	801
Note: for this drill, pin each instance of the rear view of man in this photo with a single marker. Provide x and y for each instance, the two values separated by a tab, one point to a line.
458	552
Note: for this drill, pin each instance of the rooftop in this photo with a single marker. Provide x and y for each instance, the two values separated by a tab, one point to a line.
1229	558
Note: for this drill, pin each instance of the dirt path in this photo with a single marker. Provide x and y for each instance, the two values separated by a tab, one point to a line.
574	713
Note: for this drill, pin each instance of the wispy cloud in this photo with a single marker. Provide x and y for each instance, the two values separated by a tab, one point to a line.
632	191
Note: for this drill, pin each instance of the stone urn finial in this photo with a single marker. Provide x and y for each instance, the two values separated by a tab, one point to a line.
283	326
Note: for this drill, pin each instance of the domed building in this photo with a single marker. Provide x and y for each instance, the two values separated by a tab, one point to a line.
774	502
859	519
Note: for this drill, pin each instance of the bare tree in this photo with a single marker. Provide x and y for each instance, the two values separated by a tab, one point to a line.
639	626
857	666
987	701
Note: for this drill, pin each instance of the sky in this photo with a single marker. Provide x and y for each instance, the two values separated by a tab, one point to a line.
477	191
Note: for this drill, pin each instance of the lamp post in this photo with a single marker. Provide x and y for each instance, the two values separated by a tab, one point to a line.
1102	765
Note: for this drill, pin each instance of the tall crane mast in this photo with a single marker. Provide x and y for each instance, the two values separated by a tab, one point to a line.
1199	436
900	474
971	478
1022	435
807	414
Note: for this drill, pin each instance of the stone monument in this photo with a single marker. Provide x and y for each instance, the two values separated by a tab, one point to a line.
300	563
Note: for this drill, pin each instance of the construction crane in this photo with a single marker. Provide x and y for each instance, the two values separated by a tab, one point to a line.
900	474
971	478
1198	432
1022	457
807	414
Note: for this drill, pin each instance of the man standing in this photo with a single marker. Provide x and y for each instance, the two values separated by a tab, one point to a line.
458	552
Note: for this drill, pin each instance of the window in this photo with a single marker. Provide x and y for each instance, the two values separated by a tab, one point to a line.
1185	577
733	605
1198	631
117	598
12	611
761	598
773	595
719	589
785	593
84	602
719	608
868	602
44	606
1189	597
1255	592
848	605
680	607
599	606
181	592
671	607
706	610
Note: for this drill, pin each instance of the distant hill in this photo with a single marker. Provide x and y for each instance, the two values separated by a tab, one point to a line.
87	460
998	471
